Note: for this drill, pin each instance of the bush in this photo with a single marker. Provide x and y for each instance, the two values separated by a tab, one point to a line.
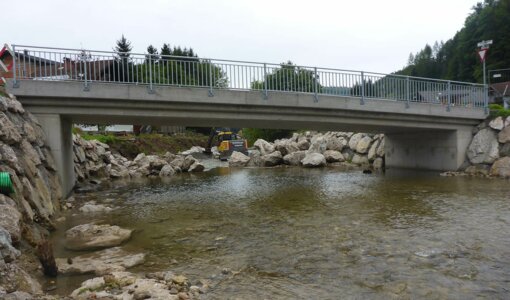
497	110
252	134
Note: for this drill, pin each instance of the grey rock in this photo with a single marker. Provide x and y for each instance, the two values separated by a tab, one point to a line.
505	150
318	145
7	252
484	148
378	163
264	147
501	168
333	156
504	135
478	170
497	123
166	171
196	167
294	158
360	160
238	159
354	140
313	160
364	144
273	159
90	236
100	262
10	220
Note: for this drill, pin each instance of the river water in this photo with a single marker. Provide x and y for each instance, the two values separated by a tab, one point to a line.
292	233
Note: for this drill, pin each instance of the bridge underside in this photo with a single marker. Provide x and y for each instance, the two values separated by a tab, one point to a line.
421	136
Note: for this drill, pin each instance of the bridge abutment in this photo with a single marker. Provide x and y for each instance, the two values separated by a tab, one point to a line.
435	150
59	138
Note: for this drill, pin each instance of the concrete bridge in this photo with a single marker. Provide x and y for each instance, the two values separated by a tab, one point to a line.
427	122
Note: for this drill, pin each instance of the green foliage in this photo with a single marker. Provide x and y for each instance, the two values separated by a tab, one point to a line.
497	110
252	134
289	77
456	59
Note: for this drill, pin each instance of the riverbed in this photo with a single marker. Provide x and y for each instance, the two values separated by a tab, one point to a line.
293	233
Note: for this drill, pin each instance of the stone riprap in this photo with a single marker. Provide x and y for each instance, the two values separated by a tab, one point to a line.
314	149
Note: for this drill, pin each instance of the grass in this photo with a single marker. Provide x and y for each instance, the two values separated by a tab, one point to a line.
154	143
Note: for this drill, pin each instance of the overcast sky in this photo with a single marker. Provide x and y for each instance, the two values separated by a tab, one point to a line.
366	35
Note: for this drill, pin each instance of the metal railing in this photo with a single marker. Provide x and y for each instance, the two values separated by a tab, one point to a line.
89	66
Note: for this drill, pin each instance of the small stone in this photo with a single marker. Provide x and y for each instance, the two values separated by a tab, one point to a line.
497	123
179	279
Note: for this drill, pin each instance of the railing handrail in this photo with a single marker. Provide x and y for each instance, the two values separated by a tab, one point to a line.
252	63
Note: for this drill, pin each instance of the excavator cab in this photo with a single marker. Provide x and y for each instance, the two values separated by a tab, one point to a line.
227	141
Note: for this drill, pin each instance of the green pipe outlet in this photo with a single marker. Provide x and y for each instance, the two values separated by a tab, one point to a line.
6	187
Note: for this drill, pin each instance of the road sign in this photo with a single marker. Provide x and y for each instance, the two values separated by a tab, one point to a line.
484	44
482	53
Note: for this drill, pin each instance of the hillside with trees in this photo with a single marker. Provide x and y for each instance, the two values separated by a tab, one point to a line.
457	59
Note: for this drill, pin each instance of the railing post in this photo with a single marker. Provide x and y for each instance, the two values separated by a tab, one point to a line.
448	107
151	88
486	98
408	92
86	87
211	84
15	83
362	101
315	86
265	82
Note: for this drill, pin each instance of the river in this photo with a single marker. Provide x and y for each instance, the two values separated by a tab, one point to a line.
293	233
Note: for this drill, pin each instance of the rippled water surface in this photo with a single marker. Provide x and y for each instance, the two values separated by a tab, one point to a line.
290	233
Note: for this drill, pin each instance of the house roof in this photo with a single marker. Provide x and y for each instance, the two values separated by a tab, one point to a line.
501	88
6	51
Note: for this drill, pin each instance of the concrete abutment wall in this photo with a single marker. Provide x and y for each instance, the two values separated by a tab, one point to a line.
58	130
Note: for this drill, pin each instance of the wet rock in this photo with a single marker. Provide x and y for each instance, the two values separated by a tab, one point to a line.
360	160
484	148
90	236
478	170
91	207
196	167
238	159
294	158
313	160
501	168
264	147
505	150
273	159
333	156
378	164
100	262
497	123
166	171
15	279
255	158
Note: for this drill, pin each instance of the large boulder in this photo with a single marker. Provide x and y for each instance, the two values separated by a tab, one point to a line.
100	262
497	123
501	168
336	143
318	144
333	156
313	160
7	252
360	160
255	158
504	135
264	147
372	153
196	167
364	144
193	150
505	150
90	236
380	148
238	159
273	159
378	163
294	158
484	148
166	171
8	131
303	144
354	140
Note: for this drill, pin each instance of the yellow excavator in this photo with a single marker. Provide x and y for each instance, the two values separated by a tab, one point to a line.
227	140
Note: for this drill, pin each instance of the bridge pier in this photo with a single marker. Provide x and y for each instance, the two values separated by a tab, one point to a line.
431	150
59	138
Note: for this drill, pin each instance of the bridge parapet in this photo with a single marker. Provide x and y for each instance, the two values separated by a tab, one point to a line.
91	66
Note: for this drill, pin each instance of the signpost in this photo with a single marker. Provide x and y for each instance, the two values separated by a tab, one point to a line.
482	53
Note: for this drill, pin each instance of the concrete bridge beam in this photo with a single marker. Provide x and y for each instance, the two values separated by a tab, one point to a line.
59	138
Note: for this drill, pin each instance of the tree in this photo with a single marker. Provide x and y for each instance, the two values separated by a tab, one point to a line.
123	48
120	69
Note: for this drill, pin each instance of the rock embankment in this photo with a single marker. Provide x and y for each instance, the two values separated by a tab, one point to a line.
25	215
312	149
94	160
489	151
